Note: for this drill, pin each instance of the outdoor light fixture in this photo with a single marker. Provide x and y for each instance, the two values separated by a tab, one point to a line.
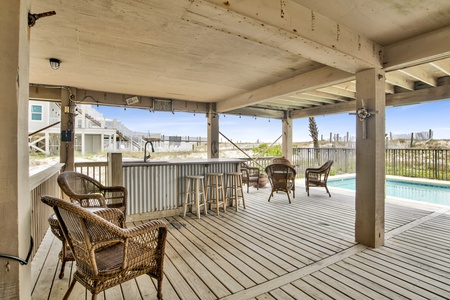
55	63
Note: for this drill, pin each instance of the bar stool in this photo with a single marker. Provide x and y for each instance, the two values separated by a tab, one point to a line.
195	189
215	193
234	188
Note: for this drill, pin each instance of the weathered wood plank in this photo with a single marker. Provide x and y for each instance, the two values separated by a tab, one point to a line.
276	250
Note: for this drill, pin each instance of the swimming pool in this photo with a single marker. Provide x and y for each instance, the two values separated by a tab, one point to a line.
404	189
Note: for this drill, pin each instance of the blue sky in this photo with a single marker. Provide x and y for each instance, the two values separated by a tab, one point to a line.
402	119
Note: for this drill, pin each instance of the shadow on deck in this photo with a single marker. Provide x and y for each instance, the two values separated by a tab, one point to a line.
277	250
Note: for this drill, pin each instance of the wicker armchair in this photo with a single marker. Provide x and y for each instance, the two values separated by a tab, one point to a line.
106	254
91	193
317	177
281	178
249	175
282	161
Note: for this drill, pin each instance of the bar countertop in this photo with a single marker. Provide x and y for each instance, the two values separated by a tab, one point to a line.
133	163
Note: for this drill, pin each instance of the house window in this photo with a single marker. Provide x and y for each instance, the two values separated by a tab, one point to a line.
36	112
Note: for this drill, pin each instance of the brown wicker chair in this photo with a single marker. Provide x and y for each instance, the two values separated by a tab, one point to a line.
281	178
106	254
91	193
282	161
317	177
249	175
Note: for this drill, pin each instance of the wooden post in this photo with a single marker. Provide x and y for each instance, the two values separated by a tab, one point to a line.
67	138
15	204
370	159
286	147
213	132
115	176
412	140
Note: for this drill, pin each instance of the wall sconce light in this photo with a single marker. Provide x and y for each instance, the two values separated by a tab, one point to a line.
55	63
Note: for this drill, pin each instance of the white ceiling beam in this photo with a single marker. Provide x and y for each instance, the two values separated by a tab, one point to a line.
347	86
419	96
441	92
289	26
315	98
389	88
420	74
324	110
260	113
443	66
326	96
418	50
309	81
339	92
400	79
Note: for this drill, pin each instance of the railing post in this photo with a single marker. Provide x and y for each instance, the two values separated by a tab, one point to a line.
114	169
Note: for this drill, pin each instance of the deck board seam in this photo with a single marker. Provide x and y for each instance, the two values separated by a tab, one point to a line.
295	275
415	223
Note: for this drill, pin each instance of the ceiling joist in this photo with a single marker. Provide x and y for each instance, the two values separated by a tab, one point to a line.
298	84
289	26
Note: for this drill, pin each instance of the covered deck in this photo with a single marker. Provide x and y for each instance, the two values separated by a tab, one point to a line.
277	250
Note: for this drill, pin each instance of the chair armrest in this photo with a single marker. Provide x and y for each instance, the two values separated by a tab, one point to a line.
112	215
144	228
115	189
97	196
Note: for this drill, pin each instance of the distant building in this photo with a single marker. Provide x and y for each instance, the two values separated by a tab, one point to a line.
93	132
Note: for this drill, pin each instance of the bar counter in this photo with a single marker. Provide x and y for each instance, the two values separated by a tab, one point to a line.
156	188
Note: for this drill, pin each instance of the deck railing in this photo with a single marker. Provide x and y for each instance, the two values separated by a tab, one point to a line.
95	169
42	183
423	163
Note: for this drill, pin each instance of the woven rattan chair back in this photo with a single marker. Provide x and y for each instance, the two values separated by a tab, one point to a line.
106	254
281	178
91	193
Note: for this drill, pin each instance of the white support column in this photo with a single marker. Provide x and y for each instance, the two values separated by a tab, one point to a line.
102	142
47	143
370	158
83	143
213	133
114	142
287	136
15	204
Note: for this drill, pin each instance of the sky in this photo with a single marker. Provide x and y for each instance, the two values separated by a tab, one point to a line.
399	120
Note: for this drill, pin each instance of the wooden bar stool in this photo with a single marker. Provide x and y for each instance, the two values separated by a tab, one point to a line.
195	194
215	193
234	188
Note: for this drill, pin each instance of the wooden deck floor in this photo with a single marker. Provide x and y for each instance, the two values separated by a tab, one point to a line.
277	250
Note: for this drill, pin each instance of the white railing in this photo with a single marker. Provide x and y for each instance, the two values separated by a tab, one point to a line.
42	183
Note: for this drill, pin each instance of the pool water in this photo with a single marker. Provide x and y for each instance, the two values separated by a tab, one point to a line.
402	189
